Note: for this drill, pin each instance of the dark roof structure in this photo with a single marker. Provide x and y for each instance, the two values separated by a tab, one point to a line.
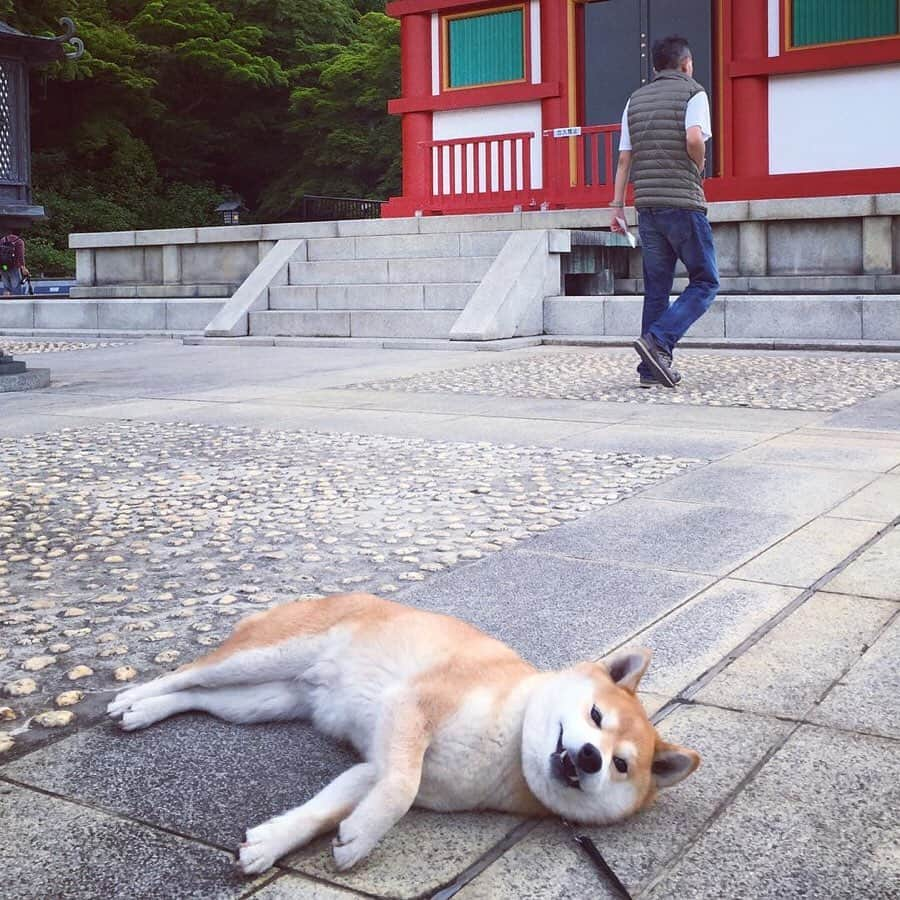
40	50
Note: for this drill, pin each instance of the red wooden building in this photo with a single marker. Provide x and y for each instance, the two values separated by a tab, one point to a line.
511	104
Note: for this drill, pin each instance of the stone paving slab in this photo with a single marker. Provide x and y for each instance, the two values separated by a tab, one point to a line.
687	537
422	853
705	443
730	743
842	450
819	820
810	552
228	777
552	610
879	413
876	573
789	490
793	665
53	848
755	381
867	698
695	637
877	502
722	418
295	887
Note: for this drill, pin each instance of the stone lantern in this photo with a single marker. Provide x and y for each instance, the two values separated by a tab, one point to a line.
18	53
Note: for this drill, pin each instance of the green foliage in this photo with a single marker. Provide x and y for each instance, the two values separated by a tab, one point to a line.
178	103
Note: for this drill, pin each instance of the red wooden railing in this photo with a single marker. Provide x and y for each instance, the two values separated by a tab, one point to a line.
581	162
467	171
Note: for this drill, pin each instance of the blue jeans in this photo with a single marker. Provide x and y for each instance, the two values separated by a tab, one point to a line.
12	282
667	235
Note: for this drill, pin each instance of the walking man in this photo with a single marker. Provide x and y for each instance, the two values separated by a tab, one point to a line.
12	264
665	127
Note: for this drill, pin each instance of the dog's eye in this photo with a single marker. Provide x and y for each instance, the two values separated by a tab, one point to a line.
620	764
597	717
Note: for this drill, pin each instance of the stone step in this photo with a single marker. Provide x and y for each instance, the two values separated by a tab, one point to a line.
421	323
403	246
371	296
782	284
148	315
427	270
206	291
811	317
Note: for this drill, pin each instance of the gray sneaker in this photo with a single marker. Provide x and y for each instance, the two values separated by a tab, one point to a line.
657	360
648	381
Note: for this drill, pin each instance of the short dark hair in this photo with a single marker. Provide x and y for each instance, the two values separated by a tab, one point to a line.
669	52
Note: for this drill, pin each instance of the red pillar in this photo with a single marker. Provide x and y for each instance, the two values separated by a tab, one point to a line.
415	127
554	69
747	113
415	53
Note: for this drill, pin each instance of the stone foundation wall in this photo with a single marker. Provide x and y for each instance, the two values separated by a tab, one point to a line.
854	239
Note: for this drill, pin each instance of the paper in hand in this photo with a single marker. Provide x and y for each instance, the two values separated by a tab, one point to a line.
632	242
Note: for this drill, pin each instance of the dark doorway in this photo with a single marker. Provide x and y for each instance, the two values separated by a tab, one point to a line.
618	35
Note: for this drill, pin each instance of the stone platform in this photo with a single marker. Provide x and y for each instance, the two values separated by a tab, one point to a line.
805	269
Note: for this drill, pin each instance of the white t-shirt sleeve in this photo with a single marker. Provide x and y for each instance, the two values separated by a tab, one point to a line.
625	137
697	113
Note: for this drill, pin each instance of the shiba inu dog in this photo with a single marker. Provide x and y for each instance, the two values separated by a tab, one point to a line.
443	716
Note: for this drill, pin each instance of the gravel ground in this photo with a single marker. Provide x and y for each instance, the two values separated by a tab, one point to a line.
15	346
817	383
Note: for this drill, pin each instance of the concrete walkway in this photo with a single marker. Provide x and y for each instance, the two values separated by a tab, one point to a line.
743	527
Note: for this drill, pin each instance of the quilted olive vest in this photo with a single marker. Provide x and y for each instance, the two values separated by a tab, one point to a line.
662	172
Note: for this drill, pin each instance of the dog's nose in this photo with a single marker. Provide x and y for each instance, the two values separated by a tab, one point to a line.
589	759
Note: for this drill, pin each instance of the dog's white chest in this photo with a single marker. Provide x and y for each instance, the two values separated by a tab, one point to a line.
348	684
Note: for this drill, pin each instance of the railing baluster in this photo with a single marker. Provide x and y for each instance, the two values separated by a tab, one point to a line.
526	164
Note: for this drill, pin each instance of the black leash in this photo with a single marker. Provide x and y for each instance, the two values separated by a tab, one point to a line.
597	859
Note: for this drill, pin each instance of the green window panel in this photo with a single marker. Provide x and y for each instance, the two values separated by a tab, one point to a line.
486	49
830	21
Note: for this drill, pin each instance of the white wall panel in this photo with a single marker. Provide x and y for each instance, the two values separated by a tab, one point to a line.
829	121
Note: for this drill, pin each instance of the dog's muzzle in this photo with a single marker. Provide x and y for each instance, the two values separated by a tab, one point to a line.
562	765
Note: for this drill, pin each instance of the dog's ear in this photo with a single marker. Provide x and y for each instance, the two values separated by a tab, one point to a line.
627	667
672	763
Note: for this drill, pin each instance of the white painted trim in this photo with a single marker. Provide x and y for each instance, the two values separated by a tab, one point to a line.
774	28
535	41
435	54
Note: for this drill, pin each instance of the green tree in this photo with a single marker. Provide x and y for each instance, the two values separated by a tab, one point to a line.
176	103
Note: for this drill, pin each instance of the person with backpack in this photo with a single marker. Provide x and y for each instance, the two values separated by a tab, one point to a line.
12	264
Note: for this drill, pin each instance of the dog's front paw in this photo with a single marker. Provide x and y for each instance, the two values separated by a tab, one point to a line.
262	847
352	844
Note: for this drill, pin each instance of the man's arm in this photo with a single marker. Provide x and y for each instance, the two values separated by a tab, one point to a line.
696	146
623	170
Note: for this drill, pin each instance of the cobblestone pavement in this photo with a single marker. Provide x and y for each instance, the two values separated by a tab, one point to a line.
819	383
15	346
128	548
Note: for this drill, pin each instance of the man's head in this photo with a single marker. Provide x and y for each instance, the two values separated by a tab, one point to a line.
673	54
